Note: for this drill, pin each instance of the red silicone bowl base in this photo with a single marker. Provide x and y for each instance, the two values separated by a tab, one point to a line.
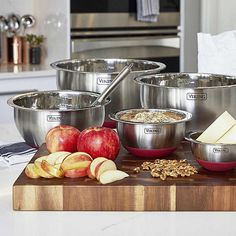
217	166
109	124
151	153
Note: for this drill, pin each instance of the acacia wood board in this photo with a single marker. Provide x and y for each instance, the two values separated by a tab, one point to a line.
204	191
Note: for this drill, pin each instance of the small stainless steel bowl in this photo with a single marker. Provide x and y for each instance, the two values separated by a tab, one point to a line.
151	139
36	113
215	157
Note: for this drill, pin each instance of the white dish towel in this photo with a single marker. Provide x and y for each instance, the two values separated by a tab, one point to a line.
217	53
148	10
15	153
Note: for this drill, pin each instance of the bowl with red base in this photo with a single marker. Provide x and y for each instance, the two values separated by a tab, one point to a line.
213	157
149	132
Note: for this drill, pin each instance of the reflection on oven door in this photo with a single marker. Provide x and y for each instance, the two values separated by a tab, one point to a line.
164	50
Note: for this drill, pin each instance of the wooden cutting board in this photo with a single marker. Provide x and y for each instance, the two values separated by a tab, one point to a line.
205	191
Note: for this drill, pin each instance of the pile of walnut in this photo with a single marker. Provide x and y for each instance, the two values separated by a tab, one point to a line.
164	168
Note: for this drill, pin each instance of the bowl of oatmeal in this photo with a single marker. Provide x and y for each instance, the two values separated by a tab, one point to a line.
151	132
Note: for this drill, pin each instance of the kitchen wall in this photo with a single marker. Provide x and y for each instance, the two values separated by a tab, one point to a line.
208	16
52	20
218	16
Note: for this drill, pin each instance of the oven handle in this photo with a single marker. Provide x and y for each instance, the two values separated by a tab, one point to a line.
79	45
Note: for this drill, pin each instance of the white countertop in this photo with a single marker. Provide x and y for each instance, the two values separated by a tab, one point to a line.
100	223
16	71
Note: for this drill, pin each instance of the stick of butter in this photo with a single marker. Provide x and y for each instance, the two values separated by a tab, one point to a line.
217	129
229	137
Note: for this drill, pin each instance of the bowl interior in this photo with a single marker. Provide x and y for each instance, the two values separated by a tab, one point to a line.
184	80
195	135
105	66
55	100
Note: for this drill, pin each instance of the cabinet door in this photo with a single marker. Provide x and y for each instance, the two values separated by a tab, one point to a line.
7	112
12	87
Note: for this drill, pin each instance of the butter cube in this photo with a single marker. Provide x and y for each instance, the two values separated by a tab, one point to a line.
229	137
217	129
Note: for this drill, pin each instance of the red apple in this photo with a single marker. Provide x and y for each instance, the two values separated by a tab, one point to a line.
62	138
99	142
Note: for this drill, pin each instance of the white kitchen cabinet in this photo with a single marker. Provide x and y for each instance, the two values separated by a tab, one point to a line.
21	83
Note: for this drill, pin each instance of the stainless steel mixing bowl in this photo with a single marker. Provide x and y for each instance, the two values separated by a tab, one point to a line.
151	139
215	157
206	96
96	74
36	113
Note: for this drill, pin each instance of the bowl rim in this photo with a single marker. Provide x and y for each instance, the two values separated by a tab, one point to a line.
11	101
139	81
188	137
161	66
188	116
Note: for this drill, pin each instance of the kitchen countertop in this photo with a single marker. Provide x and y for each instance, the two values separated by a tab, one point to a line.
100	223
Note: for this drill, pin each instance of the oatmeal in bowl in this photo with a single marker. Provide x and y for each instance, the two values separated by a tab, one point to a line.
149	116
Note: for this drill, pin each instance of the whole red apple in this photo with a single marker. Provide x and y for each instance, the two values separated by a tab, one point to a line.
62	138
99	142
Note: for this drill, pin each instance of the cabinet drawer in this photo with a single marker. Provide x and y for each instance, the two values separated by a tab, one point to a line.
19	85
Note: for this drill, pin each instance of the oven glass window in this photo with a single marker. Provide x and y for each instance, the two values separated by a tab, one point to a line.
102	6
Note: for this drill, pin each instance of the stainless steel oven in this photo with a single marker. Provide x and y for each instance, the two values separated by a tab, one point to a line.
109	29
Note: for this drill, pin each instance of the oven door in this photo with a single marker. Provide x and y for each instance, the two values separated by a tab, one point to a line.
156	48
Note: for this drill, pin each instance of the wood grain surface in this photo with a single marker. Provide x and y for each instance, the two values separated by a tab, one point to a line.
205	191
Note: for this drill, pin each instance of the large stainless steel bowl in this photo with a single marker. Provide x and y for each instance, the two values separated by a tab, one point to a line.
36	113
215	157
151	139
96	74
206	96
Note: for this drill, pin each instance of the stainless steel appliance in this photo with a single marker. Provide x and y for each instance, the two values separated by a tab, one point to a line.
109	29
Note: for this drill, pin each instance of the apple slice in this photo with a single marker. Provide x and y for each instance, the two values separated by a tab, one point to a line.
61	158
112	176
104	166
40	159
92	167
53	157
50	169
89	174
40	171
77	160
76	173
31	172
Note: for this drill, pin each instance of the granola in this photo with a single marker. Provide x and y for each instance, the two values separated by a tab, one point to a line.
152	116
